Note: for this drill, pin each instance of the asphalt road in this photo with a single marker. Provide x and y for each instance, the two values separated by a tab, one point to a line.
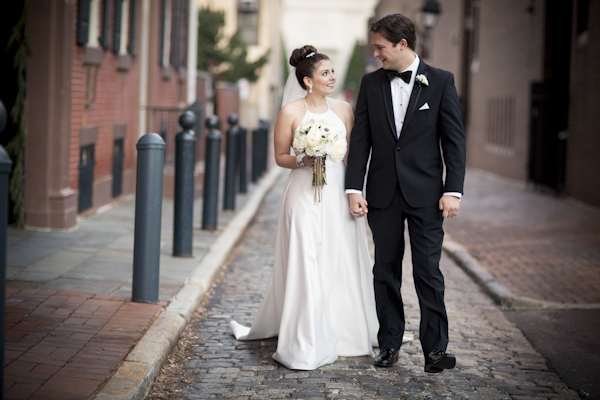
570	342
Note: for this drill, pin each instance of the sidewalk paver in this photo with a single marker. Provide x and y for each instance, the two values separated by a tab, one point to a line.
72	331
538	246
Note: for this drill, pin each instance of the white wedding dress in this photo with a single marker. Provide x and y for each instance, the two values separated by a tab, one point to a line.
320	300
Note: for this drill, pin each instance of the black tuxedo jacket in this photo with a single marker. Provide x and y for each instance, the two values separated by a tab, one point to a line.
432	135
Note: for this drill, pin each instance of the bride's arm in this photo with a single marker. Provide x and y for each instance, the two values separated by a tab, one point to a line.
349	122
283	137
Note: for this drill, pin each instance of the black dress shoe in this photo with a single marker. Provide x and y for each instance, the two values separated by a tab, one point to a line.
439	360
386	358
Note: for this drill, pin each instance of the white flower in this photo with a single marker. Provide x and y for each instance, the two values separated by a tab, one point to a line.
337	150
299	142
314	143
319	139
422	80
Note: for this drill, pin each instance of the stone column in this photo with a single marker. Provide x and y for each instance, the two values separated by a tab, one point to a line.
49	201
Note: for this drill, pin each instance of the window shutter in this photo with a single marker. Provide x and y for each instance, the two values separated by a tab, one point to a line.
83	22
175	34
163	22
105	38
132	19
117	27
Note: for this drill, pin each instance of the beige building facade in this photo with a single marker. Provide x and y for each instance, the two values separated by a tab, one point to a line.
260	21
524	72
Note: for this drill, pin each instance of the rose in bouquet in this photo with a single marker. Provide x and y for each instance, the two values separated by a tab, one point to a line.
321	140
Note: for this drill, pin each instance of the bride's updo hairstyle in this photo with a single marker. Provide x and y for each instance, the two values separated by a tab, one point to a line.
305	59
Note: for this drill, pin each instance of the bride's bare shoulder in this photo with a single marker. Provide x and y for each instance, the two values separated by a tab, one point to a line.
340	105
294	108
342	108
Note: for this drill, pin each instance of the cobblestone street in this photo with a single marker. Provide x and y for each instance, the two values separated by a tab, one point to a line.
494	360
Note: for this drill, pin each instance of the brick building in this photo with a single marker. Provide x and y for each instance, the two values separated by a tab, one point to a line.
524	71
100	74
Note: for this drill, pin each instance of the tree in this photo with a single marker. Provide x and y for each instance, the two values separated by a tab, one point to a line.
355	70
225	60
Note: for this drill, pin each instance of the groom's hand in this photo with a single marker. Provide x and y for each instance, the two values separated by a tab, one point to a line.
449	205
358	205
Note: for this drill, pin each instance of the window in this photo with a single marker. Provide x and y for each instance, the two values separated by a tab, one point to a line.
88	22
86	177
132	25
165	30
248	20
173	33
500	121
121	26
105	37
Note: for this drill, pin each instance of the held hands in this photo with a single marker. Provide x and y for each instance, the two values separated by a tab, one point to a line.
358	205
449	205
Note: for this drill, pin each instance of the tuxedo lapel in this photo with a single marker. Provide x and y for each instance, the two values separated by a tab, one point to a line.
414	96
387	100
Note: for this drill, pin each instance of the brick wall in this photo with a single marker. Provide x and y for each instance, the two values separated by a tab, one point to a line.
202	86
445	41
583	144
166	89
227	103
115	103
510	57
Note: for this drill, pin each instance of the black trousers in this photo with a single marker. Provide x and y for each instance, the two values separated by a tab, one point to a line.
426	236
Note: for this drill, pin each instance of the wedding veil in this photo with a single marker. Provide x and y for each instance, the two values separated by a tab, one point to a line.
292	90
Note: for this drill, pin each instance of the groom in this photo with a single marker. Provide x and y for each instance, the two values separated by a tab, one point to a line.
408	121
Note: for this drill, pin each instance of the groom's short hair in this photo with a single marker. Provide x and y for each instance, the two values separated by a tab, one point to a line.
395	27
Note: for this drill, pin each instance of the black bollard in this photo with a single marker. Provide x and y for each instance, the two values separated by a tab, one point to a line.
231	163
148	213
183	200
5	167
256	147
3	116
211	175
243	156
263	125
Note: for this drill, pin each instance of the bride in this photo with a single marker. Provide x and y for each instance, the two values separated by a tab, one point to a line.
320	301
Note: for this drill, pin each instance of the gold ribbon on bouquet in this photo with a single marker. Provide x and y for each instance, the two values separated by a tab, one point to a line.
319	178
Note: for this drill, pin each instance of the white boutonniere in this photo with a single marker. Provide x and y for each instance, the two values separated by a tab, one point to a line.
422	80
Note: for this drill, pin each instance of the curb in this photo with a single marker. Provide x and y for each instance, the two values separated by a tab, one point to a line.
498	292
136	374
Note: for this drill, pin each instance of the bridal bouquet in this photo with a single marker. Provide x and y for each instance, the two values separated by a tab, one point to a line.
319	139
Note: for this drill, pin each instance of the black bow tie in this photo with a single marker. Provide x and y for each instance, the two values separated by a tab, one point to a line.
405	76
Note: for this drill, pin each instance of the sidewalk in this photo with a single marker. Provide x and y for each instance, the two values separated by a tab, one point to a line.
527	249
72	331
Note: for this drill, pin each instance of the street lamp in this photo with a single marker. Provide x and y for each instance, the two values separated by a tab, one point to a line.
430	13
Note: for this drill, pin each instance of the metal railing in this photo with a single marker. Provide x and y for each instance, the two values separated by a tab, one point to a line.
165	122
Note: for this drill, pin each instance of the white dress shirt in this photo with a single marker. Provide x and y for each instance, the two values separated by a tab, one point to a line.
401	94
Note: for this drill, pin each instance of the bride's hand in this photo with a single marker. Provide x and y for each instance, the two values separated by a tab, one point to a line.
308	161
